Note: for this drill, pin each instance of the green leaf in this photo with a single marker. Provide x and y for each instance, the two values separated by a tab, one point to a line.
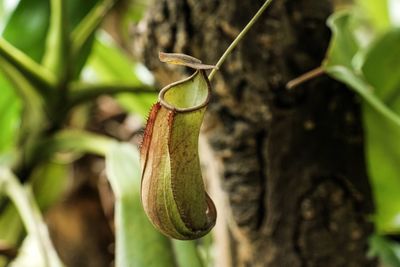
28	37
137	242
133	13
28	34
381	68
344	45
11	226
33	72
77	11
383	155
108	64
187	253
33	111
81	92
377	12
377	82
10	112
388	251
6	9
83	33
49	182
379	87
365	90
71	140
90	23
382	131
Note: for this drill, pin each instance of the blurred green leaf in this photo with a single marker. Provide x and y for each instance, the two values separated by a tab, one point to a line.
81	92
33	113
49	182
377	12
108	64
137	242
73	140
11	226
28	35
10	112
135	10
89	24
27	27
381	68
133	13
383	155
36	74
388	251
6	9
83	30
382	131
378	84
187	253
365	90
344	45
77	10
206	247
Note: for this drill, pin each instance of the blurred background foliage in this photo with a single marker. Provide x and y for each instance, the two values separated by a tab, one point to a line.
92	64
48	126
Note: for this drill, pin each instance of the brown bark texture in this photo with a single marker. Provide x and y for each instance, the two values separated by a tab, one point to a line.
292	162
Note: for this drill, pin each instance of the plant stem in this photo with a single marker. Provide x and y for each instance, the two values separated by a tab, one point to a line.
305	77
74	141
89	25
30	215
34	72
239	38
86	92
56	53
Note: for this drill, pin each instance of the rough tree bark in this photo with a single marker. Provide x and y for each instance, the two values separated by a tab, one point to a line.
293	169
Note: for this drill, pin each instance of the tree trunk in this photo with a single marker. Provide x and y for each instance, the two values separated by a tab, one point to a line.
292	162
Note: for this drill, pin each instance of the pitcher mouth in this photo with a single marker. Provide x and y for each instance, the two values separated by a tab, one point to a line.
170	106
